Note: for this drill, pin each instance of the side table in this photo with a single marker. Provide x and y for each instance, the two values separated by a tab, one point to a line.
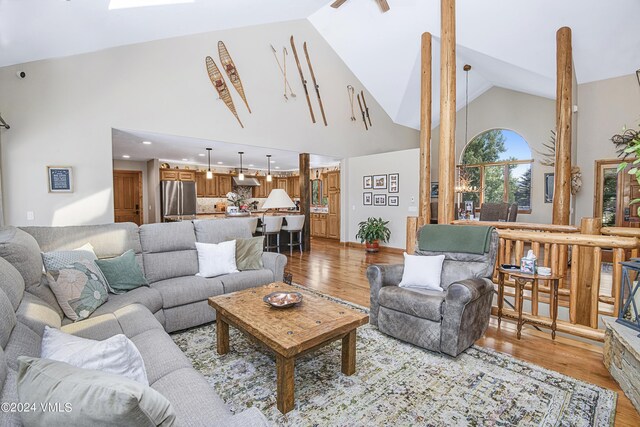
521	280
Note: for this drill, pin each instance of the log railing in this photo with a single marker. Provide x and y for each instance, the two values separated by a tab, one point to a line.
623	232
522	226
577	259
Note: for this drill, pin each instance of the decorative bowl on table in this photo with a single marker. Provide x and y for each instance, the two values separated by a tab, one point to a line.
283	299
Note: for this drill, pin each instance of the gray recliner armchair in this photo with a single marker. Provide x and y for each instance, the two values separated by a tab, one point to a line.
447	321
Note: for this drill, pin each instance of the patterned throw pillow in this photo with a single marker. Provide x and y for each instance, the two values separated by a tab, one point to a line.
79	288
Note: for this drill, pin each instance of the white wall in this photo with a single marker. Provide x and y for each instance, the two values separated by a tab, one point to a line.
406	163
63	112
533	117
605	107
128	165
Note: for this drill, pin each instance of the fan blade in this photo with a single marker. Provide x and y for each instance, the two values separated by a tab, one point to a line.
336	4
383	5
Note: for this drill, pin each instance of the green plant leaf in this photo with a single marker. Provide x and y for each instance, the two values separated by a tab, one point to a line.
621	166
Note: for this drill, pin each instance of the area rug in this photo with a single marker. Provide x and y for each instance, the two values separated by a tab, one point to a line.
398	384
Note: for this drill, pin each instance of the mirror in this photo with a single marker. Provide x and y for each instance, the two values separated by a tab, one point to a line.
316	192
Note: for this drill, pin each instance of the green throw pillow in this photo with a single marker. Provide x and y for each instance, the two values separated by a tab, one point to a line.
249	253
123	273
86	397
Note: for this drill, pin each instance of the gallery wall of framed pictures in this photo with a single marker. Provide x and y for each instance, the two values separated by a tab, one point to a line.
390	183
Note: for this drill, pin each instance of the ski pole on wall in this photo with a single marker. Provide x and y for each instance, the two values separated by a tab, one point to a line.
364	120
283	71
304	81
366	109
315	83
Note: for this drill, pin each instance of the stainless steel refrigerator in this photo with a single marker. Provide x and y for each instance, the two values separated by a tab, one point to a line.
178	198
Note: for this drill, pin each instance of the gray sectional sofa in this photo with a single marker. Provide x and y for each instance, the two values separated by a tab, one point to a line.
176	299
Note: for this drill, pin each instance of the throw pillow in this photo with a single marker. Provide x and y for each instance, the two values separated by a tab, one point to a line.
422	272
122	273
87	397
59	259
116	355
249	253
79	288
216	259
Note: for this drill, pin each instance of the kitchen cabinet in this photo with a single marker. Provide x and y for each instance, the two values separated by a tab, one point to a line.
201	184
318	225
177	175
224	185
325	186
262	192
294	187
333	181
282	183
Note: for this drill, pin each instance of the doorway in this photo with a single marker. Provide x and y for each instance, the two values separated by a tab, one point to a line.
614	193
127	196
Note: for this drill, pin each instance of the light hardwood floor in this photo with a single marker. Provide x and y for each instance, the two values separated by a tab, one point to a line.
338	270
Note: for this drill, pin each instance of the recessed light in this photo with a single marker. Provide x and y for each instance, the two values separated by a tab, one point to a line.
201	154
277	167
125	156
273	161
220	163
251	165
146	142
185	160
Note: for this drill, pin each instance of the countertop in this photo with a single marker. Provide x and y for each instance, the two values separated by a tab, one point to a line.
220	215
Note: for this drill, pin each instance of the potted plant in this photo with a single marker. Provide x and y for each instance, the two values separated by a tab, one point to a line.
372	231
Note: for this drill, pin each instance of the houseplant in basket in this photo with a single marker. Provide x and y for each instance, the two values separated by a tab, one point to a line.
372	231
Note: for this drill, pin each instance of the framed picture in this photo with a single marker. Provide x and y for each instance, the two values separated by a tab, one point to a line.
548	187
393	201
394	181
60	179
379	200
367	182
380	182
366	198
434	190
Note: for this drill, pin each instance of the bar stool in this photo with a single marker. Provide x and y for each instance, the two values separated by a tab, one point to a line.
271	225
294	225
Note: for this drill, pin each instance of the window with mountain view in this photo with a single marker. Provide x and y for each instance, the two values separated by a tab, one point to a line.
496	167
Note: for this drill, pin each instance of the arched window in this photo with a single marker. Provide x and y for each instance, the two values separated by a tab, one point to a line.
496	167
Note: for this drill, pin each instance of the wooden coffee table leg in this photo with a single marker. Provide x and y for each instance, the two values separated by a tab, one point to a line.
285	367
222	334
349	353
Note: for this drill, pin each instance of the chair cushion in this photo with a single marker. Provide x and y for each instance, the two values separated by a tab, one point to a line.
187	289
246	279
148	297
425	304
36	314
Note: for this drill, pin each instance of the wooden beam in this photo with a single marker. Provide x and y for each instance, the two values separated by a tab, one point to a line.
447	147
305	200
564	112
424	213
412	229
588	276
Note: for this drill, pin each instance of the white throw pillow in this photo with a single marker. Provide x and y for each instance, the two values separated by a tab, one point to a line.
115	355
216	259
422	272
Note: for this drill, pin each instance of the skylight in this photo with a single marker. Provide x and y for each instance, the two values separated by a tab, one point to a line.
129	4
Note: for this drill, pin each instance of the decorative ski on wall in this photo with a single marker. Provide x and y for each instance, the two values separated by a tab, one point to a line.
304	81
366	109
232	72
315	83
364	120
218	82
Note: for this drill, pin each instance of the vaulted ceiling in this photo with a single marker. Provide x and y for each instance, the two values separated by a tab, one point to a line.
509	43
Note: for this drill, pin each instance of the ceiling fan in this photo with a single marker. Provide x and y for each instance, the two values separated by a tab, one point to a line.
382	3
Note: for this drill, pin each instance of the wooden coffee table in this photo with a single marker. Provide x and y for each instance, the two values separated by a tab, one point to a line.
289	332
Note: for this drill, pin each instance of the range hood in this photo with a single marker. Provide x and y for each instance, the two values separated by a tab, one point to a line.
247	182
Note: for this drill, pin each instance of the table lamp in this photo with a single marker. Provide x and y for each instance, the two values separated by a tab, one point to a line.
278	199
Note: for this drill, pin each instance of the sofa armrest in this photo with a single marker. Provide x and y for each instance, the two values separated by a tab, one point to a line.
276	263
466	313
251	417
380	275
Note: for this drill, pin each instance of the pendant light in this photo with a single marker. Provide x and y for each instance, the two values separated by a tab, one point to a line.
241	175
209	173
269	177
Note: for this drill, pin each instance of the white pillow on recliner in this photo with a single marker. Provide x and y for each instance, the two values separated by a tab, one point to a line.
422	272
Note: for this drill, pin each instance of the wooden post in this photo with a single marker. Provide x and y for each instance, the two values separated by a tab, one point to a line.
582	303
424	214
564	112
305	200
412	228
447	148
